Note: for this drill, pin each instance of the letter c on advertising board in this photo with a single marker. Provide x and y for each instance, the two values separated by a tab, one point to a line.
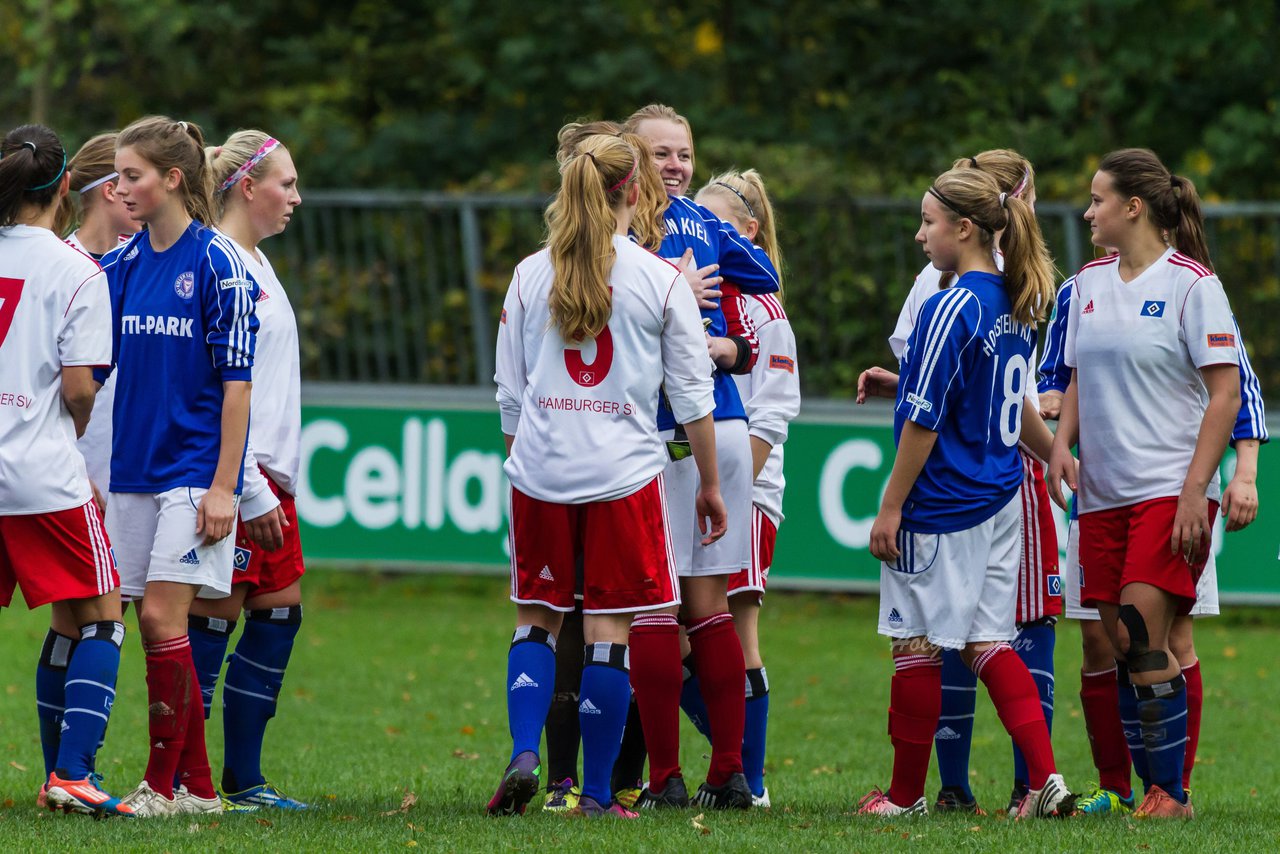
847	456
321	512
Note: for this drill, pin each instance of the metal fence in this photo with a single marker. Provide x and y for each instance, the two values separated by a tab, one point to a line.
407	287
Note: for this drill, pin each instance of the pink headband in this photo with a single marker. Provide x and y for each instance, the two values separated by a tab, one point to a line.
626	179
266	148
1022	185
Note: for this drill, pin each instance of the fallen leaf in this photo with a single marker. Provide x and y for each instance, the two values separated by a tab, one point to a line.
696	821
193	828
1229	652
393	730
412	843
462	754
332	797
13	764
406	804
8	803
468	730
264	822
975	828
346	818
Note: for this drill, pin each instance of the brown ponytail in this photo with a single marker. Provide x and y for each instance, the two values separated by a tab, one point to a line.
32	162
1172	203
167	144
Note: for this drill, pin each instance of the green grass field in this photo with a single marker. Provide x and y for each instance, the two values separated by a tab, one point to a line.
392	722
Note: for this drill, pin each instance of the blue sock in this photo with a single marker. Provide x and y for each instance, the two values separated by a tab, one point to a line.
954	736
531	681
1132	726
91	691
51	694
255	673
602	714
1034	646
209	637
695	708
753	736
1162	712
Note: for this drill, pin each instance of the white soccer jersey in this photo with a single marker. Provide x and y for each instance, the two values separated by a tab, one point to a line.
770	393
275	422
1137	348
928	283
584	416
54	312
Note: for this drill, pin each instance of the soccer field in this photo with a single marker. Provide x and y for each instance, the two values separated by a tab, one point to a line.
392	723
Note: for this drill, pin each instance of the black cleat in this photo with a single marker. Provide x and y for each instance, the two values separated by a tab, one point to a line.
673	796
953	799
734	794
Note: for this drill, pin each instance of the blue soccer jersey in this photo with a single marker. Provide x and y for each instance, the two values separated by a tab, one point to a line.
964	374
184	325
691	226
1054	375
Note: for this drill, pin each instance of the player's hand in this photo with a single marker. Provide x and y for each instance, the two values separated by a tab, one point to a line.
99	500
722	351
703	280
216	515
1062	466
1191	528
713	519
1050	405
877	382
267	530
884	534
1240	503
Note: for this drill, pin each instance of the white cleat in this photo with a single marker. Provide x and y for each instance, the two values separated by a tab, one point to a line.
877	802
1047	801
146	802
762	802
189	804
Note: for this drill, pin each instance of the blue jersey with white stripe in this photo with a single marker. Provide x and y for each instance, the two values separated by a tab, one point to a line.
1054	375
184	325
691	226
963	375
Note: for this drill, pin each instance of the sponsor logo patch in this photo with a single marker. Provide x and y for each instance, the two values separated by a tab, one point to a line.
946	734
1054	583
918	401
190	559
588	708
185	285
225	284
1153	308
895	619
133	253
1088	309
523	681
262	294
503	319
1221	339
783	363
241	561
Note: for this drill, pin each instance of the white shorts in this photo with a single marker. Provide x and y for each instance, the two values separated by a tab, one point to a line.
154	538
1206	588
956	588
732	552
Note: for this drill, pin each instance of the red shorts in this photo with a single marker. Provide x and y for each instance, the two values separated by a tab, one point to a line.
624	545
754	579
1039	585
1128	545
56	556
264	571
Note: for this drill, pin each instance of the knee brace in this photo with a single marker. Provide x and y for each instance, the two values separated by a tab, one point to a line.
1141	658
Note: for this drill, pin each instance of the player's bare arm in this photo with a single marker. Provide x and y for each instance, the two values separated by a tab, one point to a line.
78	390
1191	524
1240	498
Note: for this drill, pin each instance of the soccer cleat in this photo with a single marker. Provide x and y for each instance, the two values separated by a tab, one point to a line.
189	804
1104	802
628	797
1016	797
262	795
82	796
1160	804
562	796
1052	800
42	801
146	802
589	807
761	801
732	794
954	799
877	802
518	787
673	796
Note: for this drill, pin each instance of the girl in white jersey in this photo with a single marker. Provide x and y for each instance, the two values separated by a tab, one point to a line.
591	327
255	192
55	327
771	395
1152	401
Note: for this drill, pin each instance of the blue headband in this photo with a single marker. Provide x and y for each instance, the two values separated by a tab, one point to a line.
49	184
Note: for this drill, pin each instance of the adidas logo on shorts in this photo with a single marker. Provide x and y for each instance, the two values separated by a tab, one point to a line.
190	559
523	681
588	708
946	734
546	575
895	619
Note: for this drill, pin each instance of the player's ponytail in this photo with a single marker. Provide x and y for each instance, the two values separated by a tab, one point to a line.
1172	203
1028	267
32	163
581	222
646	224
745	191
167	144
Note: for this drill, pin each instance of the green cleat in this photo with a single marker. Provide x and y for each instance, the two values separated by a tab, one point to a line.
1102	801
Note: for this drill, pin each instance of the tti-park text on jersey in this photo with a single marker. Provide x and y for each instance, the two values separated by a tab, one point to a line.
156	324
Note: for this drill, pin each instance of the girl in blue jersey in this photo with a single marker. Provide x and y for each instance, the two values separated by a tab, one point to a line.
949	526
183	305
704	571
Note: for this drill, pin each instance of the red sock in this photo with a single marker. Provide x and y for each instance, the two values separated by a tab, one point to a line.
722	675
193	764
170	681
1195	705
1017	702
1100	701
915	702
656	678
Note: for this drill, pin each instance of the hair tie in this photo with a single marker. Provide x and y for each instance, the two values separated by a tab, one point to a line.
1174	181
55	178
263	150
217	150
750	210
110	176
973	163
183	125
30	145
626	179
1004	197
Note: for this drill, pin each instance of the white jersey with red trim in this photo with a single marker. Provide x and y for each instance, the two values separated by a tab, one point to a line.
584	416
275	425
771	392
55	312
928	283
1138	348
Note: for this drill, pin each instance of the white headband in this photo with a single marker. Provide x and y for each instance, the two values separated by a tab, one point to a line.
98	183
